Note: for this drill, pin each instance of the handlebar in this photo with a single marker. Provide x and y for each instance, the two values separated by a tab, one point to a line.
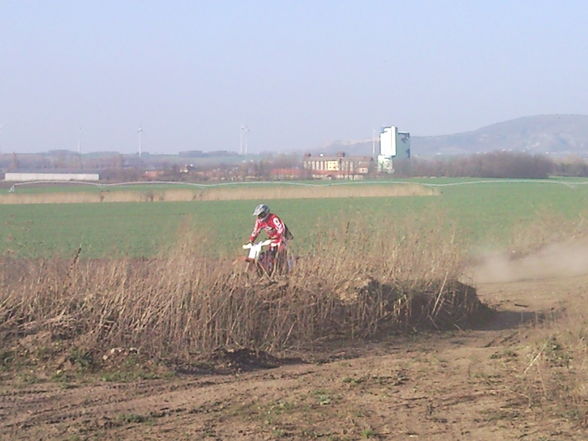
258	244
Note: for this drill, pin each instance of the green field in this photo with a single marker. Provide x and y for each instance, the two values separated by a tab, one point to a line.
483	212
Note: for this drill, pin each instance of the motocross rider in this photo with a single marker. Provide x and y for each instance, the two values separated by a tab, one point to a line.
276	230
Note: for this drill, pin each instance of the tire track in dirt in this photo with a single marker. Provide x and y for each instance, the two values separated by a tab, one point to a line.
202	406
32	407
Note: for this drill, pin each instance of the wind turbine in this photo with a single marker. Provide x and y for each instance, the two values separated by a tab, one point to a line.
140	133
243	140
80	140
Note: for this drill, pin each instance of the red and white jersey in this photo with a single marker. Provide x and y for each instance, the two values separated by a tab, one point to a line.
273	227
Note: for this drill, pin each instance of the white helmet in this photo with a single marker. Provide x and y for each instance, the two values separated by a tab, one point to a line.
261	211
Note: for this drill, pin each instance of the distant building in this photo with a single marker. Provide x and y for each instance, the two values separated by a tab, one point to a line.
187	168
153	174
286	173
51	176
393	145
339	166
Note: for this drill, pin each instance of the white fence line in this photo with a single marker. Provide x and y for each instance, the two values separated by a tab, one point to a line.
570	184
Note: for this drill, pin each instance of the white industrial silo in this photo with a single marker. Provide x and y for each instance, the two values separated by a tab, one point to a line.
388	141
393	145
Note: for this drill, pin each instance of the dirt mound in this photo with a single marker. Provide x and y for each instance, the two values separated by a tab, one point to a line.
440	304
281	316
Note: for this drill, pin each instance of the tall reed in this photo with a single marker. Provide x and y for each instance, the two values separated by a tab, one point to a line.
356	281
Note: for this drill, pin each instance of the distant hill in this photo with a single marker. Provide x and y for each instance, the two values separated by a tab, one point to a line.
544	134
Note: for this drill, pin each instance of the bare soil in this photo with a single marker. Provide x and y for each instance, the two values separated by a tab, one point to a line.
434	386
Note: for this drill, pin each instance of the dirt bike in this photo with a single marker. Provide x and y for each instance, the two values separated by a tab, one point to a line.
266	261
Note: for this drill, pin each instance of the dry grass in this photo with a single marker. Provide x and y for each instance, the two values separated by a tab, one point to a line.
316	192
551	371
267	192
354	283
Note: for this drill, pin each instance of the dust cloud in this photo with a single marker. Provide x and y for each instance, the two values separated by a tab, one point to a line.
564	259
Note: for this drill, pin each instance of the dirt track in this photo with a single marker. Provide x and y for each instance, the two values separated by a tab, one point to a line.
441	386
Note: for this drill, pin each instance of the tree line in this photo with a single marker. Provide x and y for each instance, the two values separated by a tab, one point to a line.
116	167
497	164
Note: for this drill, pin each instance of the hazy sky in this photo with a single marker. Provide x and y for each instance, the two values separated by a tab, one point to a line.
299	74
